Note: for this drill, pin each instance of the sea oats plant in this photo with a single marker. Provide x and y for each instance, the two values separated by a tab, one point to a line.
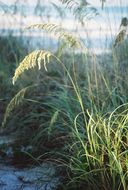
79	106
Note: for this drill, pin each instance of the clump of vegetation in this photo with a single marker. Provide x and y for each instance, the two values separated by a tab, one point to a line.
12	51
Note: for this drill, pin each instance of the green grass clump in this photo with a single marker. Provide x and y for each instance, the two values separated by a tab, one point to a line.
99	151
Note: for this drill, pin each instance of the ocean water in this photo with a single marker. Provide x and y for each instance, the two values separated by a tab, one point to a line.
98	32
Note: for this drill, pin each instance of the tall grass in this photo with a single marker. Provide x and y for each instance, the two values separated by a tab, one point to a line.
99	154
89	115
77	110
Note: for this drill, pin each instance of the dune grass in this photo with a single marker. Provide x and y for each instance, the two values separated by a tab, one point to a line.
75	111
80	111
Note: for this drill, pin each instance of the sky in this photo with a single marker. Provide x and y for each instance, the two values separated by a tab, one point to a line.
94	2
110	2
